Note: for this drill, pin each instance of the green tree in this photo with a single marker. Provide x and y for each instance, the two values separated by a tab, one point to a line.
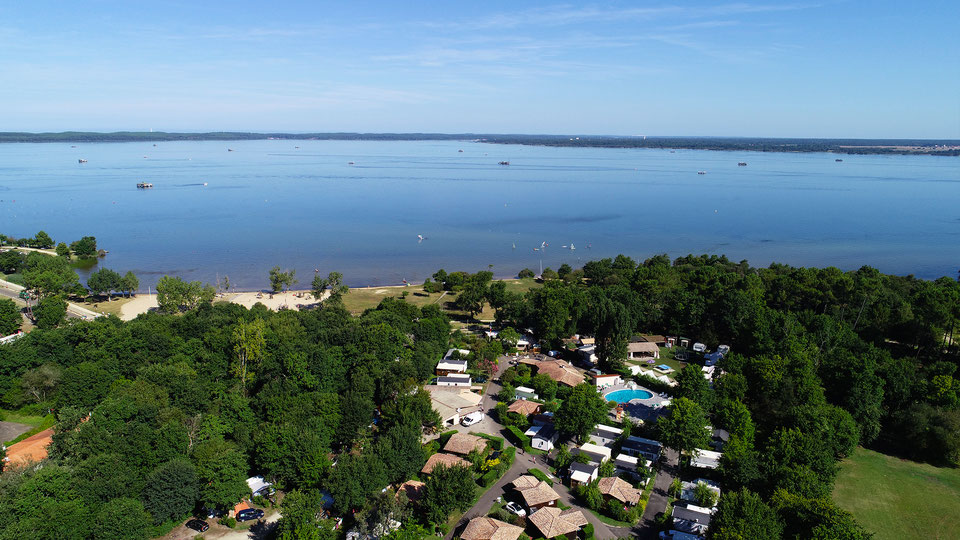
129	283
10	319
170	490
248	349
447	489
580	412
280	279
221	473
301	517
175	295
47	275
333	281
354	480
41	381
704	496
104	281
525	273
692	385
607	469
683	428
85	248
42	240
50	312
742	515
63	250
121	519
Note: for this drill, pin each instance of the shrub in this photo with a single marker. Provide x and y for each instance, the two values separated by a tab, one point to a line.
489	477
495	442
508	456
228	522
518	437
588	530
445	436
539	475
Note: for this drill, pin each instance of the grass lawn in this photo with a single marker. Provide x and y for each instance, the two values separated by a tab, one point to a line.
895	498
20	418
358	300
666	357
102	306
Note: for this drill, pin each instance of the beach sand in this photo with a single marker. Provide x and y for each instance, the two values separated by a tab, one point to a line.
143	303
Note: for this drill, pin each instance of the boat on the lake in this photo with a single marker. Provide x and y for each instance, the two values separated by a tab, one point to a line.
82	160
701	172
144	185
838	160
503	163
742	164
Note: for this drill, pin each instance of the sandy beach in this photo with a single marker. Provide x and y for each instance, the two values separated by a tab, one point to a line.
143	303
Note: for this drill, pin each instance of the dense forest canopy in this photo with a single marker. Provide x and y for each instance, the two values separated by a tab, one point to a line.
168	412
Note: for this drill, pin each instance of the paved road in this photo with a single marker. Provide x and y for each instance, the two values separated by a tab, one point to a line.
520	466
669	468
12	290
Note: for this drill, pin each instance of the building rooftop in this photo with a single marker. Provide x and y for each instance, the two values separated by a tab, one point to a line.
619	490
552	521
464	443
524	407
448	460
486	528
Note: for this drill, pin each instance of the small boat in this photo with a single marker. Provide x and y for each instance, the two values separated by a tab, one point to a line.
204	183
503	163
461	150
701	172
229	149
572	247
154	145
742	164
838	160
144	185
349	163
673	151
82	160
73	146
419	238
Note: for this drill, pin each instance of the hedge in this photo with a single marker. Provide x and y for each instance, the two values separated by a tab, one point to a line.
508	456
495	442
489	478
445	436
539	475
588	530
519	438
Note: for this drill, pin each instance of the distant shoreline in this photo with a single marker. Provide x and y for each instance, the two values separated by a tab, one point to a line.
748	144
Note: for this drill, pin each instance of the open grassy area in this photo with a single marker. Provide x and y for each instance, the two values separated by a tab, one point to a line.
360	299
895	498
102	306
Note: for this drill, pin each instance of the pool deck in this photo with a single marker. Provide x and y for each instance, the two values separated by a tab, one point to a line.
643	409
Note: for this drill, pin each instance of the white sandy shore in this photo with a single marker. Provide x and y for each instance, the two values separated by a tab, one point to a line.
143	303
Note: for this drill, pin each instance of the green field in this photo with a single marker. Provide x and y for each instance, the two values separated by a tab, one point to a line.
358	300
897	499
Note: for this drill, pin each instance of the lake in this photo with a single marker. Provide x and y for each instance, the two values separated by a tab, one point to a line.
302	205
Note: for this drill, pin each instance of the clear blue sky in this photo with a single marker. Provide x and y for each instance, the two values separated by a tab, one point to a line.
817	69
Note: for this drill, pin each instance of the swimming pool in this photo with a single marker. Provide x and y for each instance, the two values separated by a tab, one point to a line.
624	396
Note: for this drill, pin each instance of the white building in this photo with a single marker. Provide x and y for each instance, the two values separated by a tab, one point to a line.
604	435
542	437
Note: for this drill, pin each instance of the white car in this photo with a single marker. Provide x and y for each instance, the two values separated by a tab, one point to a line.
515	508
471	419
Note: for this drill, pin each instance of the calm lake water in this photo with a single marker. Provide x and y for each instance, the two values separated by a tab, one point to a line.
270	203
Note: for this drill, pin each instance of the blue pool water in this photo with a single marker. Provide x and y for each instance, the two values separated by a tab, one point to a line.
624	396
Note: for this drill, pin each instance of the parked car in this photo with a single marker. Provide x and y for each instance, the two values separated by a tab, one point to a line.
516	509
198	525
471	419
249	514
212	513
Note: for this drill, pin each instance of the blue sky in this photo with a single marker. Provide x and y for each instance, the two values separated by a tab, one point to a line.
817	69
